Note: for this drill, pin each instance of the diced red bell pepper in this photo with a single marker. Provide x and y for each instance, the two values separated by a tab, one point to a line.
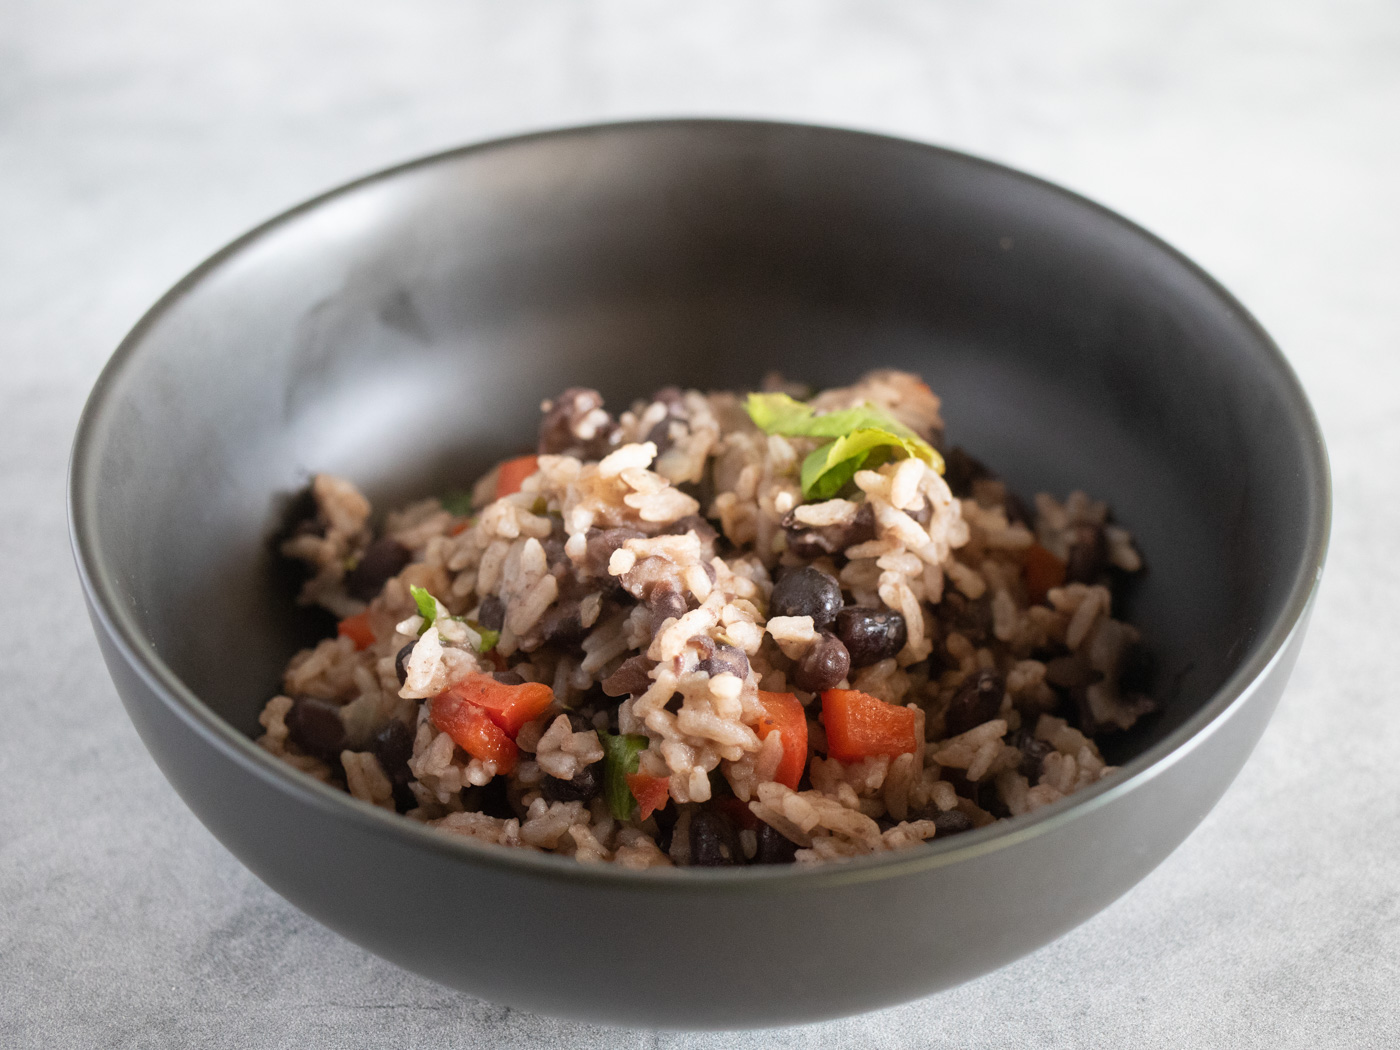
1042	572
472	729
782	712
513	472
652	793
357	629
509	706
859	726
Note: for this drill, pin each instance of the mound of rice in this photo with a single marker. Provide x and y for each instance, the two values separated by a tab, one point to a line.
644	645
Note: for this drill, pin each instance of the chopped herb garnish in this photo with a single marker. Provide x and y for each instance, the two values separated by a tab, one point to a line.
457	503
431	611
488	637
864	436
621	754
427	606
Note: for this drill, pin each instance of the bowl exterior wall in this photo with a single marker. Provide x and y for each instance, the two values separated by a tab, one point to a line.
693	954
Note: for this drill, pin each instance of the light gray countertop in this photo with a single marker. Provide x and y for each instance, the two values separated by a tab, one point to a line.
1262	138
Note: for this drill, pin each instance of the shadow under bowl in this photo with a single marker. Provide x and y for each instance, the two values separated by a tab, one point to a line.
401	332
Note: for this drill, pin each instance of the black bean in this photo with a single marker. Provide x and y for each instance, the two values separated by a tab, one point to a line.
978	700
660	435
951	822
665	604
631	678
823	665
969	618
558	428
813	541
674	400
401	662
981	793
807	592
725	658
562	624
968	789
601	544
665	824
404	798
581	788
1080	713
990	799
555	556
493	798
961	470
1033	752
774	847
508	677
579	722
383	558
713	841
1088	554
676	702
393	746
491	614
871	635
316	725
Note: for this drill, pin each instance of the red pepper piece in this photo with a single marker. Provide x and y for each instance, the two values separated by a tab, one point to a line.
651	793
859	725
509	706
357	629
782	712
1042	572
513	472
472	729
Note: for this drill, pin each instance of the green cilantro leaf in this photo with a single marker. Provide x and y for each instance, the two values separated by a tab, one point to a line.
864	436
488	637
427	606
621	755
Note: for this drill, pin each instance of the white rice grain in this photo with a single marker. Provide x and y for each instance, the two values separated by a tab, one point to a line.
628	456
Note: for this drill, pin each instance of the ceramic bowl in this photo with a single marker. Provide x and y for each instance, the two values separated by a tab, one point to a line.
401	331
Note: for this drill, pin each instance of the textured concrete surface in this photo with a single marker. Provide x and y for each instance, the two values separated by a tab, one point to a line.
137	137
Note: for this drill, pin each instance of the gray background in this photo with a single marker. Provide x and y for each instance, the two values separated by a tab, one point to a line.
1259	137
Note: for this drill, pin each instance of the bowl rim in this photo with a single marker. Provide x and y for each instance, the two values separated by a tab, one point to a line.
102	590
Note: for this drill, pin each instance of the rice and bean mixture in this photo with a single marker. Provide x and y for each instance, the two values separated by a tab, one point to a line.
715	629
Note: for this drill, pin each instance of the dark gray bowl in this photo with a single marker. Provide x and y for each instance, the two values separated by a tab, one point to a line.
402	331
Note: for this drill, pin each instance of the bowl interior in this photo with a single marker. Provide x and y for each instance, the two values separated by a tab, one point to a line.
403	331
